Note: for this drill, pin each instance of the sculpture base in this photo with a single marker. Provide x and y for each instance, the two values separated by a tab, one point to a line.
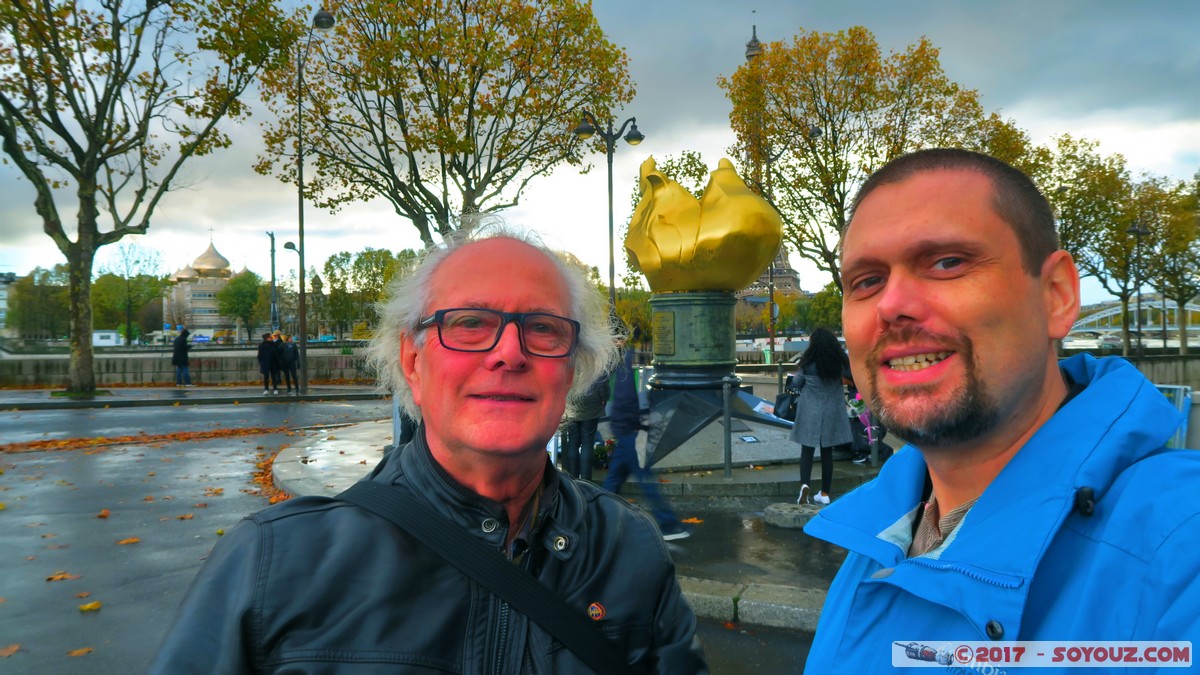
694	340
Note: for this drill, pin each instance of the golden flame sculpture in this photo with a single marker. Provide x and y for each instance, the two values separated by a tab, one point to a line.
722	242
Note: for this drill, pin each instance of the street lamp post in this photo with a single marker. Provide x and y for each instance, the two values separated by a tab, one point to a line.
274	296
322	21
1138	231
587	128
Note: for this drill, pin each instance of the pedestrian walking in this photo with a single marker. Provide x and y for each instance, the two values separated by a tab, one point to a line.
579	429
290	359
179	359
821	417
625	418
268	360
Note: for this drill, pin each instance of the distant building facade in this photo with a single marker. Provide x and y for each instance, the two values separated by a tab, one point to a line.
192	301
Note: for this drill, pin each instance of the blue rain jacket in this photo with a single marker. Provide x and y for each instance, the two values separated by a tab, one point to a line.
1026	563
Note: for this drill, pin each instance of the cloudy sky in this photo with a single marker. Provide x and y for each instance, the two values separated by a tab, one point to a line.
1123	73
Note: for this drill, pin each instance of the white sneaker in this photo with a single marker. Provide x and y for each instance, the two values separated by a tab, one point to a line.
820	498
276	392
265	392
803	495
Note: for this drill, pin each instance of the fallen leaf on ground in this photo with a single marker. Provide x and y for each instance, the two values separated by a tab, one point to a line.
90	607
148	498
130	540
63	576
49	535
692	521
186	516
103	513
80	652
83	594
10	650
2	506
201	505
213	491
220	533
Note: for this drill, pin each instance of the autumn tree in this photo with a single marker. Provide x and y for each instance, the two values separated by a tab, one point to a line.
242	299
826	308
130	282
444	108
815	116
1178	255
101	104
1093	198
39	306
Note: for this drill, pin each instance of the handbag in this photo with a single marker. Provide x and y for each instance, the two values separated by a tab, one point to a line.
489	569
785	406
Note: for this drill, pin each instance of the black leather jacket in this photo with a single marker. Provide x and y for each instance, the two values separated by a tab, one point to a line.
317	585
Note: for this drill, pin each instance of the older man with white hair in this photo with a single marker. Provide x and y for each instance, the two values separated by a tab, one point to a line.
485	343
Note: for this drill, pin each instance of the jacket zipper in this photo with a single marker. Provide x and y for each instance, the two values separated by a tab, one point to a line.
501	637
970	573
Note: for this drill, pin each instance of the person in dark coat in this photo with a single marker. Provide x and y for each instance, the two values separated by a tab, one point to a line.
268	363
821	418
179	359
625	415
579	429
291	359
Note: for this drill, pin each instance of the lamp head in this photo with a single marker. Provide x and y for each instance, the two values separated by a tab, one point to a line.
634	136
290	246
323	20
585	130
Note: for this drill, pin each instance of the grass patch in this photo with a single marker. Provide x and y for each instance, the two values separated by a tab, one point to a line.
80	394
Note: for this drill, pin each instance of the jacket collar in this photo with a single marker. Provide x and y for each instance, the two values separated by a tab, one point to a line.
414	463
1118	419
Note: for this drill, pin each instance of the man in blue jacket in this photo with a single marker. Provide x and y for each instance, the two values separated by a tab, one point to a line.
1035	500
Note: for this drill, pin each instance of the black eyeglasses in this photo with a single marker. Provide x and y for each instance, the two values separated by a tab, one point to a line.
470	329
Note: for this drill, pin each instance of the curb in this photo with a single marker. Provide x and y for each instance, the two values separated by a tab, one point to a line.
756	604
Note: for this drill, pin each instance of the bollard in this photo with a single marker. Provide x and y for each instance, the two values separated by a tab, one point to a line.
726	384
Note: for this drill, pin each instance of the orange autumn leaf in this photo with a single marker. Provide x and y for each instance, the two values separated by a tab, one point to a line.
10	650
83	594
148	498
63	576
186	516
103	513
201	505
130	540
80	652
90	607
692	521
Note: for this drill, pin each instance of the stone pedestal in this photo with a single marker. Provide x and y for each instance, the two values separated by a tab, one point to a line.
694	340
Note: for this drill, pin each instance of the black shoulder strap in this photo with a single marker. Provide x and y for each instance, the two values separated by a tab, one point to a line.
489	569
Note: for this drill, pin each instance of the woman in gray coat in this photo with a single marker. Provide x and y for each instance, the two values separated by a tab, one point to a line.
821	420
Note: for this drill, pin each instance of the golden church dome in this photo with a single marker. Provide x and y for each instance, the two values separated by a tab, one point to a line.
185	273
211	264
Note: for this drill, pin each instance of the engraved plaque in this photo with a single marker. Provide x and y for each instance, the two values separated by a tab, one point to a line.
663	326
